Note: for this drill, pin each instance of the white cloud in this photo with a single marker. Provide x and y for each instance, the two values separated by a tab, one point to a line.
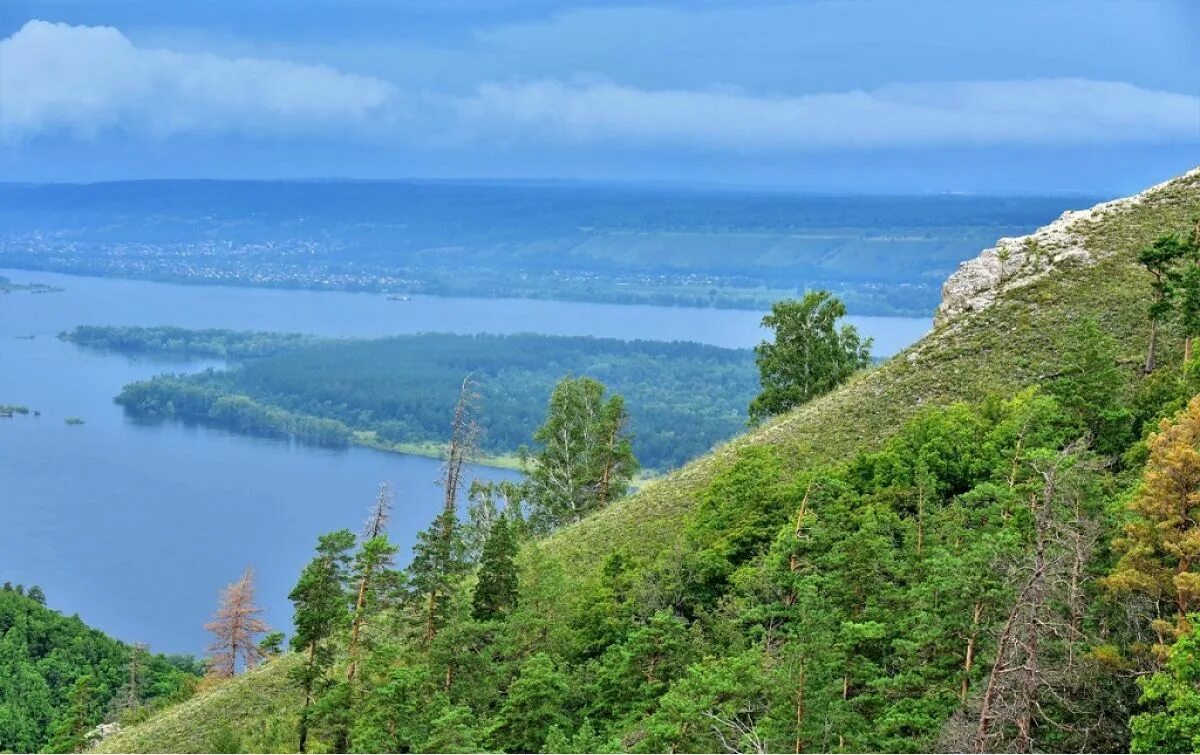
85	80
1045	111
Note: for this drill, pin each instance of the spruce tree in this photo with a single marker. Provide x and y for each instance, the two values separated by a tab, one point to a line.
496	590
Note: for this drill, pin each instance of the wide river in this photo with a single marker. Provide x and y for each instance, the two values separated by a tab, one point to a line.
137	527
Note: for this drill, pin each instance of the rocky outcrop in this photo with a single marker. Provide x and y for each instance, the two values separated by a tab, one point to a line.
1017	262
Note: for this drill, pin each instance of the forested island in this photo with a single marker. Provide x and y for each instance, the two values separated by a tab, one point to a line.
683	398
8	286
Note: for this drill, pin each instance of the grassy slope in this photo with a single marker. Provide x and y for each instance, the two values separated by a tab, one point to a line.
1000	349
997	350
259	710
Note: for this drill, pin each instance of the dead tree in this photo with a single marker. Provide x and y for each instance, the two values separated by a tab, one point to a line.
1035	656
234	626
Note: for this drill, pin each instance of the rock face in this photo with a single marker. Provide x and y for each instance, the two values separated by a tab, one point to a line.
1017	262
103	731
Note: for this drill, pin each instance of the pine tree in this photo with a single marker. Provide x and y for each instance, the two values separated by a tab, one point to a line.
439	561
321	609
1159	259
70	734
1160	548
235	626
371	565
496	590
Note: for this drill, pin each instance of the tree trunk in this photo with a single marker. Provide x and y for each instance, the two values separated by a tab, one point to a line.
1150	353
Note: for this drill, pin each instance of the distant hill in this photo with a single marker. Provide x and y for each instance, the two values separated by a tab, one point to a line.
632	244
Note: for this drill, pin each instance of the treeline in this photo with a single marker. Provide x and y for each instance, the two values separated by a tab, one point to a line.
997	577
215	343
682	398
59	678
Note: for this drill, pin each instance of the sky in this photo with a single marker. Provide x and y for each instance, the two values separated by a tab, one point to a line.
1019	96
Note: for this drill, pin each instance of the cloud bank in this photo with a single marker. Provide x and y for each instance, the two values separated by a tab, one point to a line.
85	82
1045	111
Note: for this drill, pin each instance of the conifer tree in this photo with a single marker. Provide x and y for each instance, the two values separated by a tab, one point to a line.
496	590
321	609
1159	259
1160	548
372	564
70	734
235	627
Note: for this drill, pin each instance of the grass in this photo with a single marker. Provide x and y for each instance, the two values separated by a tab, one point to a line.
257	711
432	450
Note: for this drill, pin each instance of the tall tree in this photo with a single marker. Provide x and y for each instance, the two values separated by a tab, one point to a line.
1159	259
496	590
1160	548
811	354
321	609
371	565
235	626
586	459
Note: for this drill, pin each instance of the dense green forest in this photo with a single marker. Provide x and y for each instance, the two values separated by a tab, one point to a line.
988	543
683	398
59	678
184	343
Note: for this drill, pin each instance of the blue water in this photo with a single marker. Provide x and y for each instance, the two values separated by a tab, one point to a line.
136	527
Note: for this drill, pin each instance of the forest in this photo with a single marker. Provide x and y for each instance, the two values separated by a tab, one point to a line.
683	398
59	678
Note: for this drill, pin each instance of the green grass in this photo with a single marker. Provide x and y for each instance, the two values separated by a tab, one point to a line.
432	450
258	710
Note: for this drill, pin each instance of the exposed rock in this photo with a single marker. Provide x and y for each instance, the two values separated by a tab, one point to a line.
103	731
1017	262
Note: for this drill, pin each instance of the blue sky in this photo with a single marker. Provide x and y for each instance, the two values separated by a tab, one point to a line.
881	96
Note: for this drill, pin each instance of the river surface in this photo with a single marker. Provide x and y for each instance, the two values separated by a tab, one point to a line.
136	527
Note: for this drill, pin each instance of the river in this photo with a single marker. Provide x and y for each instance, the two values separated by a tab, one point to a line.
136	527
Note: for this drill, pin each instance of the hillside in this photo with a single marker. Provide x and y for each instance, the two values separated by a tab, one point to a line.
60	677
839	579
1000	349
255	712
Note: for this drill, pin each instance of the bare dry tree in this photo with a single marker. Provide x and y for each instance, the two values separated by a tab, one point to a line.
464	442
234	627
381	513
1036	656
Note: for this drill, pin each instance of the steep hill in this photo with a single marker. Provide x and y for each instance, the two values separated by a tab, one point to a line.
996	332
685	614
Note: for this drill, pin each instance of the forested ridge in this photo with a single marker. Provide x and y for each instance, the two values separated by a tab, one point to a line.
60	678
988	543
683	398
